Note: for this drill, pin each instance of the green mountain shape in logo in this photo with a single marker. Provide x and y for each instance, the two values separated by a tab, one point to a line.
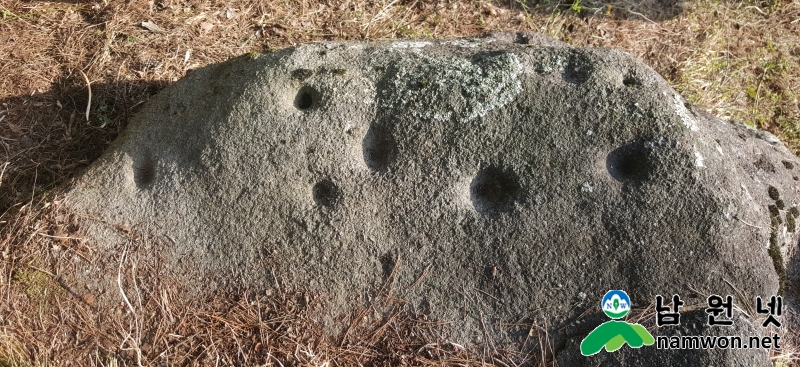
613	335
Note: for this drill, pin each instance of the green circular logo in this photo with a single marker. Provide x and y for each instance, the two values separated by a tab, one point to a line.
616	304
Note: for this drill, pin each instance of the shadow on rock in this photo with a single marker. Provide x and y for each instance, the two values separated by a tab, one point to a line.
46	138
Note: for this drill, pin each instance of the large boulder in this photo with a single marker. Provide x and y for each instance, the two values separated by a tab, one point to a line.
488	183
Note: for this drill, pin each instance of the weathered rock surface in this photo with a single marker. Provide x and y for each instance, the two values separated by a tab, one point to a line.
488	181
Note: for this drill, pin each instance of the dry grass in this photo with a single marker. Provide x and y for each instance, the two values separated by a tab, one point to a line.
738	59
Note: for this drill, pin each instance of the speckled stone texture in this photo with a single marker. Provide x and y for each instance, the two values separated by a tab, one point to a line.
489	182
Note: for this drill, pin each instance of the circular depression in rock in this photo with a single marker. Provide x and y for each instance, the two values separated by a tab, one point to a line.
629	163
325	193
578	70
494	190
631	81
306	98
379	148
144	171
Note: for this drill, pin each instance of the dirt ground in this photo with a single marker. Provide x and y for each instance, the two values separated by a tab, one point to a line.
73	72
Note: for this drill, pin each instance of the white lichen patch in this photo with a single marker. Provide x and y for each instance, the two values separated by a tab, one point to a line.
699	160
662	141
551	64
410	44
684	113
468	43
587	187
445	89
369	90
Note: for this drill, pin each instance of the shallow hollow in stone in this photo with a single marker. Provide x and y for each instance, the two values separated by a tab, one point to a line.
631	81
494	190
577	71
306	98
629	163
325	193
144	171
379	148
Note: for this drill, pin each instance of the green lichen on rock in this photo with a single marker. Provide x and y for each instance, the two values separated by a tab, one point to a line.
787	164
794	211
451	89
774	211
790	223
777	261
780	204
773	193
302	74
